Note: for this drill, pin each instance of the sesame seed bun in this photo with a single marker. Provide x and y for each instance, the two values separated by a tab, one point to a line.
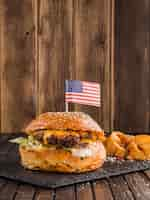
63	121
60	160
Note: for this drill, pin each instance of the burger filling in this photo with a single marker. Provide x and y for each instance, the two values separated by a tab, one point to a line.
74	141
66	138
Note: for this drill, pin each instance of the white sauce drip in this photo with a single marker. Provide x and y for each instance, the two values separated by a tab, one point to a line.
85	152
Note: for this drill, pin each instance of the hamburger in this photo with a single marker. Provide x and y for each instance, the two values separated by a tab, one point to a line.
69	142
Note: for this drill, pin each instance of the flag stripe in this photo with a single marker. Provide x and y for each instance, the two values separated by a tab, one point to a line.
91	89
91	92
84	102
76	99
91	86
81	94
90	83
83	98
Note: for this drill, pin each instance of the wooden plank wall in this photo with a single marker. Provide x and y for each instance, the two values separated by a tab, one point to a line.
44	42
132	66
17	64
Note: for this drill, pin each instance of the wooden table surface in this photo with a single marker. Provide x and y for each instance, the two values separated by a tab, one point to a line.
130	186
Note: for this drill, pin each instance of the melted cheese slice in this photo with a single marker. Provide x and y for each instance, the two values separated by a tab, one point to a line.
63	133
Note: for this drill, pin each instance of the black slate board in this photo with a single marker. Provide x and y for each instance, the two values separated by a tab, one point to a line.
10	168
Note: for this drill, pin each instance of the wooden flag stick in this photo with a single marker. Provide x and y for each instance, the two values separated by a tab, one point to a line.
66	103
66	107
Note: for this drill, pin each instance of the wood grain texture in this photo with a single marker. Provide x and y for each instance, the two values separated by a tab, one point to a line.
2	183
17	64
91	52
55	32
132	68
102	190
84	192
65	193
25	192
120	189
44	42
134	186
9	191
43	194
1	53
147	172
139	185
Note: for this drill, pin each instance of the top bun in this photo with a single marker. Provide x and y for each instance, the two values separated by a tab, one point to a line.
77	121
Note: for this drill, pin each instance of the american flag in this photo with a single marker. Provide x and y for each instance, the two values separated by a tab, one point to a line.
83	92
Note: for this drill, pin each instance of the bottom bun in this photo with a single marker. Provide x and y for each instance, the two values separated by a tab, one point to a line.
60	160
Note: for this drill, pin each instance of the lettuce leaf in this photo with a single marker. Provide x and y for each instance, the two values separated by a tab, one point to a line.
19	140
28	142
